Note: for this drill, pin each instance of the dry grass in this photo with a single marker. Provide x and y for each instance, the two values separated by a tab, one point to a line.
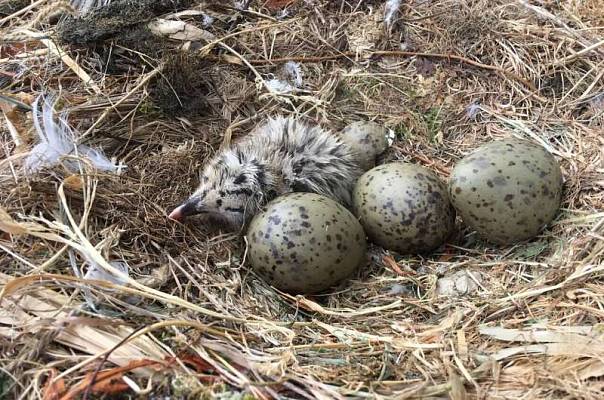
193	320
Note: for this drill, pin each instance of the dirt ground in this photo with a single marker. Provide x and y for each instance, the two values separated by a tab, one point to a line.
159	86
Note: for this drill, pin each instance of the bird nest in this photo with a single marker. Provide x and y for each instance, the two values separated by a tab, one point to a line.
103	295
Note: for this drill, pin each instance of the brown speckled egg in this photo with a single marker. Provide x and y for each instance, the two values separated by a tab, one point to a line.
507	190
404	207
305	243
368	140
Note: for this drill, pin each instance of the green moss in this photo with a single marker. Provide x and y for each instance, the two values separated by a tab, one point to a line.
183	86
433	122
402	131
5	385
146	107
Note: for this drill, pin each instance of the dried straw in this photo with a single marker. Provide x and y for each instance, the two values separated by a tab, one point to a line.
192	318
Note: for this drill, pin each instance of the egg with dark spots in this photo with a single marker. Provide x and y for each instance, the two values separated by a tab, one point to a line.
507	190
404	207
368	140
305	243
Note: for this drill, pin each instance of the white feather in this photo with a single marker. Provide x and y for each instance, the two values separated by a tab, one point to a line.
293	70
57	139
472	110
282	14
293	79
207	21
239	4
390	136
53	141
97	158
277	86
390	11
84	6
96	272
597	102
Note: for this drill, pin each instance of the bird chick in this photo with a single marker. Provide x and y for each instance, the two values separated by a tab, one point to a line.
281	156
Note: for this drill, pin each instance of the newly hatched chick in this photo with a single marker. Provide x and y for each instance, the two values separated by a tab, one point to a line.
283	155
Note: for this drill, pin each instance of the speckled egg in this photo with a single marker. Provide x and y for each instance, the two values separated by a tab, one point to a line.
305	243
368	140
507	190
404	207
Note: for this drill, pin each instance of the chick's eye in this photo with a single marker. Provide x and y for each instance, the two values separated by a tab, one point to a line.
219	203
235	209
241	179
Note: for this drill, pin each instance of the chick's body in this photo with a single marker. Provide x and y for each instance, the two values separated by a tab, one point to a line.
283	155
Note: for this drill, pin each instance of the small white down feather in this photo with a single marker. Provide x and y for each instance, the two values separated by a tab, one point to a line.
391	11
57	140
84	6
292	72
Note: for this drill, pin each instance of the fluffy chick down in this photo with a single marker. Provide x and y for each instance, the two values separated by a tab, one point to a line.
282	155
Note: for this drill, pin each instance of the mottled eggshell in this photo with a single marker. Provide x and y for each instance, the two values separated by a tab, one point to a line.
368	140
507	190
404	207
305	243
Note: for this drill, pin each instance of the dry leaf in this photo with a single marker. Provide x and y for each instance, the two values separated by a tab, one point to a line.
594	370
389	261
15	120
231	59
445	325
578	341
53	389
198	363
446	257
15	284
110	381
9	225
26	98
11	49
551	349
178	30
458	391
578	335
311	306
74	182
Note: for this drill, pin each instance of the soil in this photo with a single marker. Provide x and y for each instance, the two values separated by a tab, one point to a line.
118	19
183	85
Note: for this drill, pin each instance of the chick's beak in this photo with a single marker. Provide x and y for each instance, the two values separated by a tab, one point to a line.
184	210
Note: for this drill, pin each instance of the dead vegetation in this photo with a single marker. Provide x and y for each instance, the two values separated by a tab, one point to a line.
191	319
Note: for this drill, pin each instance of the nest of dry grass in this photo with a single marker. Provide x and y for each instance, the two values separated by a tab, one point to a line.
470	321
